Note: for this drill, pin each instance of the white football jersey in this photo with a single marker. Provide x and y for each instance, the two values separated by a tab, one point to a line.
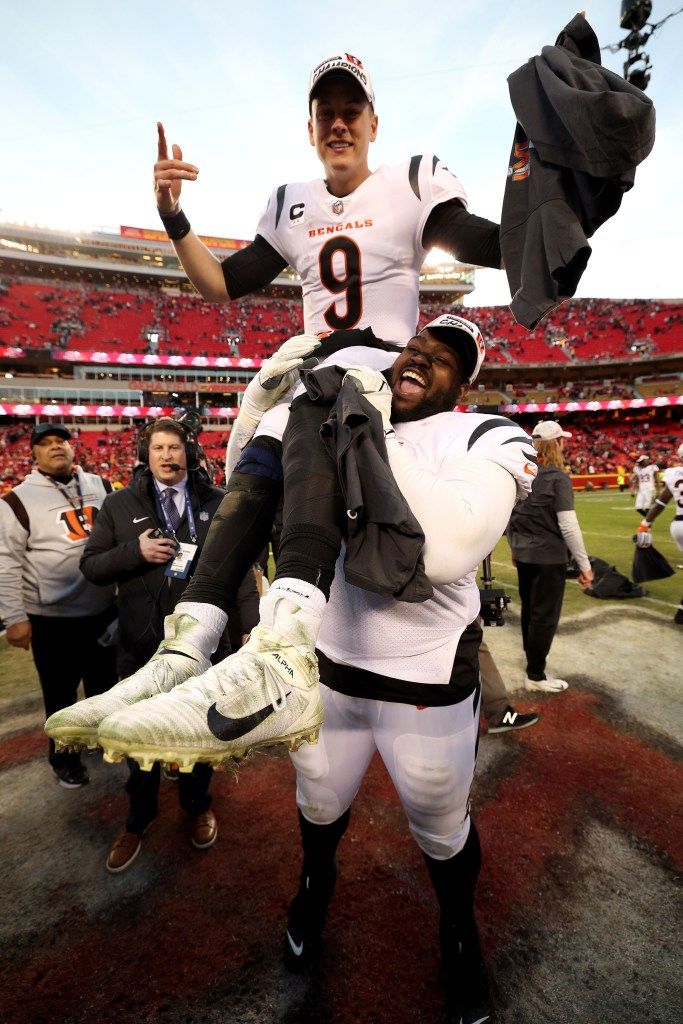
417	642
673	479
646	477
359	257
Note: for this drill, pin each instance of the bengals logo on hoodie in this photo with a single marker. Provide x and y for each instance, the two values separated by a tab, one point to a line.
78	522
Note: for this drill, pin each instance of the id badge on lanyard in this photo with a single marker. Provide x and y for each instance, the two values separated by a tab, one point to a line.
179	568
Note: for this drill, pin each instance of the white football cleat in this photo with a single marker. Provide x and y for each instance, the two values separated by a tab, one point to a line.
175	661
266	693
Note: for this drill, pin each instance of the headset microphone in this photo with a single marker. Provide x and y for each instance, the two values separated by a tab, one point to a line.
174	466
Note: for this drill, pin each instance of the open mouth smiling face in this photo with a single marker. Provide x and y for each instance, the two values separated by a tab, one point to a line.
426	378
411	382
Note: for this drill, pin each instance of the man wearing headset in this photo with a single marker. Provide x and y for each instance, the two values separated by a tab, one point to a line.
147	539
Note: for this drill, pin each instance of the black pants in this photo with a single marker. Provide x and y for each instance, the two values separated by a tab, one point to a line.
541	589
314	514
66	651
143	787
143	790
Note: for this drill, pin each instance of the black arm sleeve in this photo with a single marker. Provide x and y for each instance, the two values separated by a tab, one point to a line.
469	238
251	268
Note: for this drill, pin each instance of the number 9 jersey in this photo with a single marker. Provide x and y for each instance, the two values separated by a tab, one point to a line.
359	256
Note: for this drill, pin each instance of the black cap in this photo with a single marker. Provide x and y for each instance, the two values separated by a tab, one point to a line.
44	429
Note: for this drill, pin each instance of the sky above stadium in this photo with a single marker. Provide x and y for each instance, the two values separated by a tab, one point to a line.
83	85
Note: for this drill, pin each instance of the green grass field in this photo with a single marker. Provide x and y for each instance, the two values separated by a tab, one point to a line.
17	672
608	521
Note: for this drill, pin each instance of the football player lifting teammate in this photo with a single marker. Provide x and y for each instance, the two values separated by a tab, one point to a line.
357	238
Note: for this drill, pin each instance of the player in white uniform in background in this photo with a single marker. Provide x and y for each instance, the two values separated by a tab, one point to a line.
358	239
644	483
672	489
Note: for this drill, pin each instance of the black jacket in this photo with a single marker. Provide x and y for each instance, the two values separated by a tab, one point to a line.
581	132
145	594
384	539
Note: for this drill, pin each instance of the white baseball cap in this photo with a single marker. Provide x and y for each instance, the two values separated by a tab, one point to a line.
342	64
465	337
548	430
642	458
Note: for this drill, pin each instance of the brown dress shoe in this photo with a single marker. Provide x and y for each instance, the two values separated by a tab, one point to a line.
124	850
204	830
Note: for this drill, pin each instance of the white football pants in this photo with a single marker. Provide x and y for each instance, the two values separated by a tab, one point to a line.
430	755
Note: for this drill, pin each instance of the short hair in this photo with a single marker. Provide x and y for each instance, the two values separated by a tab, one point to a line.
165	424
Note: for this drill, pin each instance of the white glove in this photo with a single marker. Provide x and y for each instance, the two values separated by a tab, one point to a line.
374	387
278	373
643	537
274	379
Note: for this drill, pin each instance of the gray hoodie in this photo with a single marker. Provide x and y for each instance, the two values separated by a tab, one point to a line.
42	536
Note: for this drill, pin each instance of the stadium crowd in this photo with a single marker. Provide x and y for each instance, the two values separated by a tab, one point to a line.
599	444
76	316
110	453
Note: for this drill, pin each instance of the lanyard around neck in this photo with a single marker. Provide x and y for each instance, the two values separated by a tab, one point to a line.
67	494
188	512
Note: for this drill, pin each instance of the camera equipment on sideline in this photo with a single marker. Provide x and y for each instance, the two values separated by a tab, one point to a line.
189	418
494	601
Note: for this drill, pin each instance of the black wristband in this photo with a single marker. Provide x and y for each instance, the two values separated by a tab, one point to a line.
177	225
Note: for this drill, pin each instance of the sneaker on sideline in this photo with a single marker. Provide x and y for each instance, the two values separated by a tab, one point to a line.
71	776
546	685
513	720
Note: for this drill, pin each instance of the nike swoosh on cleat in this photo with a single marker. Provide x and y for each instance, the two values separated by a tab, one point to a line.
297	948
172	650
141	519
231	728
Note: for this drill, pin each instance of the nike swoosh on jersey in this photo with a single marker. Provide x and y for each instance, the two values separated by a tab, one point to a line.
232	728
141	519
296	947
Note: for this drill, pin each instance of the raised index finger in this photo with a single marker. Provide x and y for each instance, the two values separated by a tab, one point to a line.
163	148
